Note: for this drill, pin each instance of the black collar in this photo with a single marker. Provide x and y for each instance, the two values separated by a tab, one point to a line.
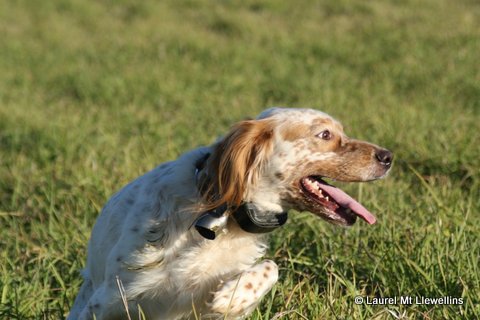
247	215
252	220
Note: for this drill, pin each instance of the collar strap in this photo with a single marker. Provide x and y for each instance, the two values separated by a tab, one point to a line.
247	216
199	166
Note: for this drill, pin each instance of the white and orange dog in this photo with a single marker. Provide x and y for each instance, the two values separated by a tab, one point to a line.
184	240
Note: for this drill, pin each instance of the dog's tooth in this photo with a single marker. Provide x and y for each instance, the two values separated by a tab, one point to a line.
327	198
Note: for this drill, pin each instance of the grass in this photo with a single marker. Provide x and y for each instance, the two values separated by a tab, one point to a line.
94	93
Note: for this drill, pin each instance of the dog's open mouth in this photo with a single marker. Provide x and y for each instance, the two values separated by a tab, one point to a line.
337	204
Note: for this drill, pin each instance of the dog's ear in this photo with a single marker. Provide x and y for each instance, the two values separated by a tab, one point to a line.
237	161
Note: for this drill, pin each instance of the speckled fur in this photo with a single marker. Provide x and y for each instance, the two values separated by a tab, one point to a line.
144	243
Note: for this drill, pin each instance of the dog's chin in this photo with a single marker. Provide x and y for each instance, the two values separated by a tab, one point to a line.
342	217
329	202
329	211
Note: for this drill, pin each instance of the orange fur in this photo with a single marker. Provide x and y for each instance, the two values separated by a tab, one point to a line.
236	162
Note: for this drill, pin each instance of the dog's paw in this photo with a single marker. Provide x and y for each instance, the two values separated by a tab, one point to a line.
239	297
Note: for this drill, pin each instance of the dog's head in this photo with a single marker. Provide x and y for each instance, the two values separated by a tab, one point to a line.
278	161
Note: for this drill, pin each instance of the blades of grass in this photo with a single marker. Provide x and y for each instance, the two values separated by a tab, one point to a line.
123	295
57	275
427	186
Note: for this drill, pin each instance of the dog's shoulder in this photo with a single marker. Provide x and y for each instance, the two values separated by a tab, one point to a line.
141	212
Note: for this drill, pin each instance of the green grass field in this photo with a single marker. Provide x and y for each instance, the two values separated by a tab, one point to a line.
94	93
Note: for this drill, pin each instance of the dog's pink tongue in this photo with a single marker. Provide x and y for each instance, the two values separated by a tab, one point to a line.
346	201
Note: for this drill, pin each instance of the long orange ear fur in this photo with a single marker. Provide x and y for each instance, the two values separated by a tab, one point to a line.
237	162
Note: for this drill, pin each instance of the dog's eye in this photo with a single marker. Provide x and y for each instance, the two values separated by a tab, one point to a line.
325	135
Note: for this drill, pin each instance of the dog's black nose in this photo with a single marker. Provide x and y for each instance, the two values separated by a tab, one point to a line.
384	156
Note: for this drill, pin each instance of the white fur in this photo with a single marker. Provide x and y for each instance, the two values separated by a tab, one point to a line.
241	295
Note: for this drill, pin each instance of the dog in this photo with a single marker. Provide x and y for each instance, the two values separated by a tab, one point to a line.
185	240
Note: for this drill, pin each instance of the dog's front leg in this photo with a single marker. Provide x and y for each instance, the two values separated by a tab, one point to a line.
238	297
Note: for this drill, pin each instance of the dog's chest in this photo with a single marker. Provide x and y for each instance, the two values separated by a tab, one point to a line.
192	262
193	268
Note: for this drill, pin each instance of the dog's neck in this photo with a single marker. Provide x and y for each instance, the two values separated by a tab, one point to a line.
251	216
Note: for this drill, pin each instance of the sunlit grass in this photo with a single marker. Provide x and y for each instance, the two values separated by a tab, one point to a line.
94	93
